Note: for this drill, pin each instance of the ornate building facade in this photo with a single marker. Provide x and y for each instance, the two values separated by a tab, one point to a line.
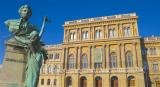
103	52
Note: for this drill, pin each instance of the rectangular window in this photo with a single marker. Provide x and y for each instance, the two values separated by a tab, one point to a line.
56	56
112	33
98	65
97	34
84	65
85	35
72	36
153	51
155	67
127	31
50	56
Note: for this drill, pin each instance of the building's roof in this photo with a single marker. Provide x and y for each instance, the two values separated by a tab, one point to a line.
151	39
53	46
104	18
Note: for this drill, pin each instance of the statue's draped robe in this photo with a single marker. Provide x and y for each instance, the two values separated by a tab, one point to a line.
33	69
28	37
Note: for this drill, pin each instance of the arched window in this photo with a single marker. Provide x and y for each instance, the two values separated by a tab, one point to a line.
68	82
98	81
84	60
71	62
131	81
114	81
48	81
42	81
83	82
129	59
55	82
113	60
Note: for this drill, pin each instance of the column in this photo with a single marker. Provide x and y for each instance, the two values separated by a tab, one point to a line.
139	54
93	33
66	57
90	33
120	30
68	36
135	29
119	55
92	64
117	27
90	81
104	56
46	72
107	55
104	32
64	37
90	57
123	55
63	58
76	58
135	61
79	57
80	34
107	31
75	81
77	36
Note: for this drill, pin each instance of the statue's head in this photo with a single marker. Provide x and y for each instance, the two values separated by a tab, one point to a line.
25	11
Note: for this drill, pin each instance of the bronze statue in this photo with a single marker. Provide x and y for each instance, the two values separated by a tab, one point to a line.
27	35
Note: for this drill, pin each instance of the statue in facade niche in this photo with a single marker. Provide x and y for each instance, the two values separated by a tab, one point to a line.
26	35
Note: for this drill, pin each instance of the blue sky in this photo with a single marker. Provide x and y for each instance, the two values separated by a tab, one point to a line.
62	10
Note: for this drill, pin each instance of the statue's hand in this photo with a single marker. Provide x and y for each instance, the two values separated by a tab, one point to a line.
13	25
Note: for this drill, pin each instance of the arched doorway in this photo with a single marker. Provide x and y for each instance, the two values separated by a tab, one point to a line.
131	81
68	82
114	81
98	82
157	83
83	82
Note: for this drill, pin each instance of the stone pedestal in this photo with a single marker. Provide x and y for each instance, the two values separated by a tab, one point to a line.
13	72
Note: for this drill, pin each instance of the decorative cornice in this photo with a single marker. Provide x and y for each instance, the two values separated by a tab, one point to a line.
99	19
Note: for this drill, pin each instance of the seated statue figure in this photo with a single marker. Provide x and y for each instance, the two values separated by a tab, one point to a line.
27	35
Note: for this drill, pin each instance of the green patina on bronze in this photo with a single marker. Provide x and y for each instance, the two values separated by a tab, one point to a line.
27	36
